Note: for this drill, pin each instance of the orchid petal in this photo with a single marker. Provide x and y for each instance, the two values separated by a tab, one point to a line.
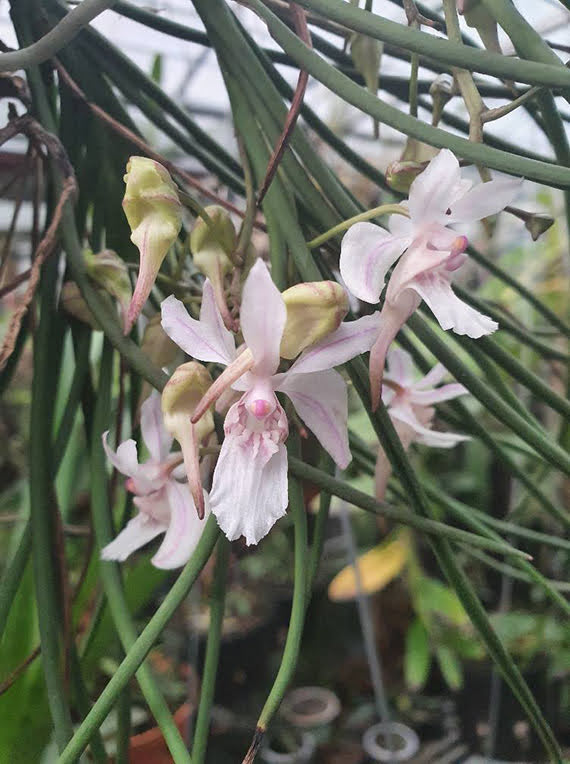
184	529
445	393
154	434
206	340
393	317
418	261
125	459
434	189
211	316
400	367
432	378
449	310
367	252
321	401
249	492
484	199
263	315
350	339
136	533
425	435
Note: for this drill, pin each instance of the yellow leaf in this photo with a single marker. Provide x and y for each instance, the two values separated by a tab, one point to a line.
376	568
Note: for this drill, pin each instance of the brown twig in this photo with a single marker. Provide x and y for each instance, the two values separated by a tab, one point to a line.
144	147
11	678
45	248
302	29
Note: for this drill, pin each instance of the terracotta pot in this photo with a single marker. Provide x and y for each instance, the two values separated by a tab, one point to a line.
149	747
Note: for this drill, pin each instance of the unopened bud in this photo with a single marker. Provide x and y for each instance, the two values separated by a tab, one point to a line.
157	345
180	396
441	92
366	54
110	272
314	309
400	175
73	303
182	392
479	18
154	214
212	242
213	239
537	224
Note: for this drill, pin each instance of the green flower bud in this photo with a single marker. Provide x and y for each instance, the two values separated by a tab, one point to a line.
537	224
314	310
366	54
73	303
110	272
180	396
154	214
401	174
212	243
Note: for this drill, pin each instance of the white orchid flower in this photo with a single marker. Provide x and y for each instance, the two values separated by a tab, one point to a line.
164	504
249	491
410	405
438	198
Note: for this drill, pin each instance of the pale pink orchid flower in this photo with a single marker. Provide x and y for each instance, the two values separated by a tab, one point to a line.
249	490
164	504
410	405
432	251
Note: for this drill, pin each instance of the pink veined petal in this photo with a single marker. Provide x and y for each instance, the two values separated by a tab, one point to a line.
210	316
393	316
433	190
367	252
136	533
449	310
416	262
350	339
201	340
425	435
320	399
249	492
432	378
125	459
484	199
263	315
400	367
445	393
184	528
157	440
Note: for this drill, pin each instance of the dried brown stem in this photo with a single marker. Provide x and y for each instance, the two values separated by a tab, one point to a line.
45	248
302	29
11	678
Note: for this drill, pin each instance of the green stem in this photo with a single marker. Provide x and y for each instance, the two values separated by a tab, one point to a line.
142	645
369	504
109	571
318	539
542	172
452	53
298	607
12	576
217	608
383	209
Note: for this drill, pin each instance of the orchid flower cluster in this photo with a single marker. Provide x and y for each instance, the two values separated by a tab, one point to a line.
305	326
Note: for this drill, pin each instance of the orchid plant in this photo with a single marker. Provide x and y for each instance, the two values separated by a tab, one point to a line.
433	252
163	500
410	404
249	491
